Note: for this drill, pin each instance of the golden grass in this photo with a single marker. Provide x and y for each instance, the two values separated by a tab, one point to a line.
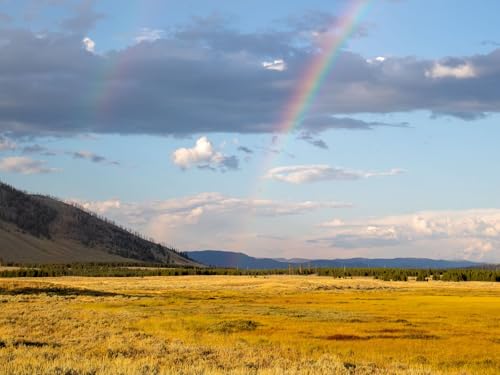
241	325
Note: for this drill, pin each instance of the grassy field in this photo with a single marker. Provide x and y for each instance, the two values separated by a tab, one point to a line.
245	325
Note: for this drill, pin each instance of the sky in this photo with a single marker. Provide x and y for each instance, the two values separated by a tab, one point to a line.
283	129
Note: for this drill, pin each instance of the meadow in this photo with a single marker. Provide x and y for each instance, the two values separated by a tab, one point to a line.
276	324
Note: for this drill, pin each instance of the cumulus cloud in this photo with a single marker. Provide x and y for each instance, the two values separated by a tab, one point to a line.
24	165
470	234
300	174
203	156
462	71
88	44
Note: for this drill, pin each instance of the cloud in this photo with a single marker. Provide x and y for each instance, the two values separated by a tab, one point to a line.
300	174
438	70
84	19
244	149
216	203
278	65
318	124
6	144
204	156
490	43
37	149
95	158
100	207
191	221
88	44
378	59
24	165
471	234
306	136
148	35
207	77
206	220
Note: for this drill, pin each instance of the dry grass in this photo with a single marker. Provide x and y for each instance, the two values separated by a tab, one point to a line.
241	325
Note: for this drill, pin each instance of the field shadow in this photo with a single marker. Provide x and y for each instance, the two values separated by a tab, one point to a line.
232	326
55	291
411	336
28	343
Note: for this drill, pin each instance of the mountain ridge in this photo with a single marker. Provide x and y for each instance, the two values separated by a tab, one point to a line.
231	259
41	229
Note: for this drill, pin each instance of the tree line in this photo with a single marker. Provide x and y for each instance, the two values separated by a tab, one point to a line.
143	270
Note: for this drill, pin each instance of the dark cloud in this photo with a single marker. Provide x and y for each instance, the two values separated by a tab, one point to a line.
231	162
95	158
37	149
318	124
246	150
207	77
226	164
490	43
466	116
305	136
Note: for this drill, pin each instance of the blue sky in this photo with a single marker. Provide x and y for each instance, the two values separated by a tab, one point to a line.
165	116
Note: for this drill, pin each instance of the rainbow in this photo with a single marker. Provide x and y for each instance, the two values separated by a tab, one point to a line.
307	89
317	71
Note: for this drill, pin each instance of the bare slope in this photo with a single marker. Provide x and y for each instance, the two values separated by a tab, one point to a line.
39	229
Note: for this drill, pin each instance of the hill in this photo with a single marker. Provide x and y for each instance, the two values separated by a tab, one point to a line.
41	229
239	260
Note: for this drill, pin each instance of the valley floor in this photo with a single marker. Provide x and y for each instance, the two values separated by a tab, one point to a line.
247	325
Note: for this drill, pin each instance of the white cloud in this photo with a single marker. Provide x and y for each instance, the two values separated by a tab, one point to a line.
462	71
148	35
212	220
88	44
208	203
24	165
100	207
203	156
299	174
206	218
378	59
278	65
6	144
471	234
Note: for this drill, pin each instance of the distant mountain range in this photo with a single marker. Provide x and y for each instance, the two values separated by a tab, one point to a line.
41	229
231	259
